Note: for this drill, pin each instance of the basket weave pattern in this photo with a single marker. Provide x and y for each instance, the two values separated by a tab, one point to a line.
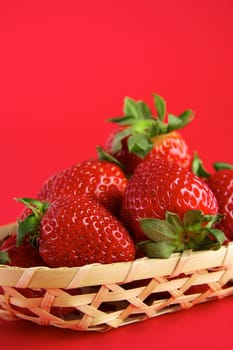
100	297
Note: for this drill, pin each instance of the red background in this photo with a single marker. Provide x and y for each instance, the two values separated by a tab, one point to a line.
65	67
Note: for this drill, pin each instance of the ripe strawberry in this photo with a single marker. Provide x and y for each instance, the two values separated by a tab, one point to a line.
141	136
78	230
221	184
102	180
160	190
23	256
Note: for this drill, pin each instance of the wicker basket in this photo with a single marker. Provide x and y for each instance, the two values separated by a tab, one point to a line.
99	297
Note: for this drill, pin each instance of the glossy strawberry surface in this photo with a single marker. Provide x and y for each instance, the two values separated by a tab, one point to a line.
77	230
171	146
158	186
23	256
102	180
221	183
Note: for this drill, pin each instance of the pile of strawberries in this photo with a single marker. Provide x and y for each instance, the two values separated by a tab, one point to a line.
144	195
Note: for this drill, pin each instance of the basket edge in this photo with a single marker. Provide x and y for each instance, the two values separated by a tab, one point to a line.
123	272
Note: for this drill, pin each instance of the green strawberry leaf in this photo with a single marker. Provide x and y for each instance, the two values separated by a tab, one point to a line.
174	235
27	227
180	122
105	156
173	123
157	230
155	128
221	165
193	220
37	207
217	234
138	119
198	167
160	106
140	145
131	108
4	258
213	241
144	109
162	249
116	144
175	221
32	204
125	120
186	117
213	219
162	127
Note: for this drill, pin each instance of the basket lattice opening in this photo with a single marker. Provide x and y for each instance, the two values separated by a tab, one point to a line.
113	304
100	297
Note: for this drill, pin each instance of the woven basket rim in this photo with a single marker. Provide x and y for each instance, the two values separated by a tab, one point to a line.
103	296
186	262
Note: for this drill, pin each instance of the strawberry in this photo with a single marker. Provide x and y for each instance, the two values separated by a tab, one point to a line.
141	136
102	180
24	256
75	231
171	206
221	184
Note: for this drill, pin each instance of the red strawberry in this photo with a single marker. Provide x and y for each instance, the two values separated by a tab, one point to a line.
102	180
161	190
221	183
78	230
23	256
142	136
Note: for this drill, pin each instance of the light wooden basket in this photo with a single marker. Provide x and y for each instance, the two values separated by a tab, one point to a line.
99	297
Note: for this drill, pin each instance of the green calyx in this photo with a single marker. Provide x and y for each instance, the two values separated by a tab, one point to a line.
30	225
4	258
221	166
139	125
105	156
196	231
199	169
